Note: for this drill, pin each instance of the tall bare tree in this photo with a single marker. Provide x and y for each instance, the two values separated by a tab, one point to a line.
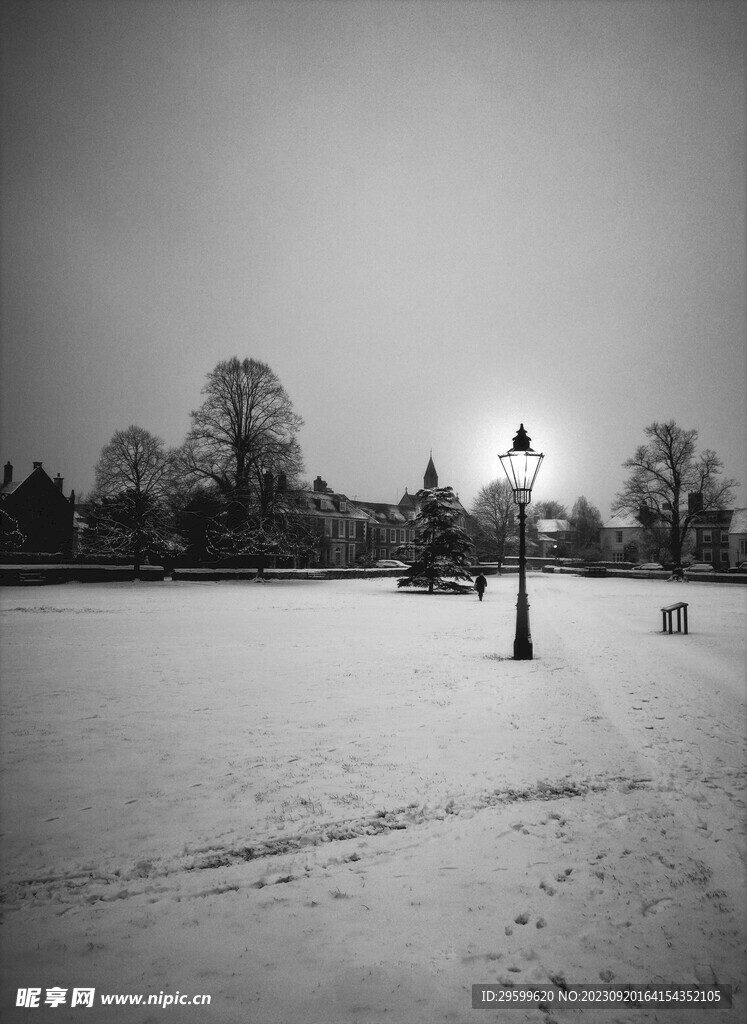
670	484
244	435
494	511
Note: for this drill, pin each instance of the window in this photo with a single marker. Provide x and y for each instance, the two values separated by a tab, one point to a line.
392	536
382	552
707	537
351	528
725	557
743	547
343	506
617	556
724	537
328	527
707	554
351	553
619	537
402	536
340	527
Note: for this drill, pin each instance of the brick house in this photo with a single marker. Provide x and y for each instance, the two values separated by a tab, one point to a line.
393	526
738	536
391	529
619	538
341	524
712	537
554	537
36	515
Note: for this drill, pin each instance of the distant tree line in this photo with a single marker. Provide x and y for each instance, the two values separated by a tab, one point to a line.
668	487
224	492
227	491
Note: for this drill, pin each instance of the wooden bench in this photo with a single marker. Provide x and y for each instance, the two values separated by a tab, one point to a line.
31	577
666	617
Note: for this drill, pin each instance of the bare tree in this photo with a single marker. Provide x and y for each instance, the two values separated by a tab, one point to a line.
494	511
670	485
134	460
130	510
586	520
550	510
244	435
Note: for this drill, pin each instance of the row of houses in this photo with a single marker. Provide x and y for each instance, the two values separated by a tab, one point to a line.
379	529
37	507
718	538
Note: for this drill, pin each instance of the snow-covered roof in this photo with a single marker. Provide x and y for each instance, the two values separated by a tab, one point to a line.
318	503
622	522
383	511
553	525
738	522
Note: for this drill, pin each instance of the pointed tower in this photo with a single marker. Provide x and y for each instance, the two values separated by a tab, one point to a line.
430	480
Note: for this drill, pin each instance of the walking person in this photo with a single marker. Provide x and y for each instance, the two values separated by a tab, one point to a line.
480	585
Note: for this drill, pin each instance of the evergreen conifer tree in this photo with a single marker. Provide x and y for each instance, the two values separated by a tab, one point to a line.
442	545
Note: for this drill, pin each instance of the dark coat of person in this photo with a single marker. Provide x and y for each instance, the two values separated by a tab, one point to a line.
480	585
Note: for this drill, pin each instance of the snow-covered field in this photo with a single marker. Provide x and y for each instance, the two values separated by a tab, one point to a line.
341	802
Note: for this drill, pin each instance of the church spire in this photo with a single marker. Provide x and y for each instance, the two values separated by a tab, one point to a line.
430	480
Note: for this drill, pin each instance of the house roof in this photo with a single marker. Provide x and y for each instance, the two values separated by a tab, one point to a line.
738	521
553	525
383	511
326	503
622	522
38	471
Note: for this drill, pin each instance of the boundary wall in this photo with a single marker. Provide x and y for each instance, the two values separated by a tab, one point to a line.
27	575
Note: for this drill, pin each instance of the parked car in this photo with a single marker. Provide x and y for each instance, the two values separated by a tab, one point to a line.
699	567
742	567
391	563
648	566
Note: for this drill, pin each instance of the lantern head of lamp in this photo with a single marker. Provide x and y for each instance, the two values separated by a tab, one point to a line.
521	465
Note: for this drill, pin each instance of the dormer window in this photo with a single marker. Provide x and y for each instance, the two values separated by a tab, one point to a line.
343	506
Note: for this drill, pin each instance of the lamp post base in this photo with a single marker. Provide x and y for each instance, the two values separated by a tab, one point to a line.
523	650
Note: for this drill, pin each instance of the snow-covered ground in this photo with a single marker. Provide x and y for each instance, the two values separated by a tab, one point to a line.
340	802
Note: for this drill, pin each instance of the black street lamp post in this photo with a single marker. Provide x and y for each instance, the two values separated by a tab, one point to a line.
521	465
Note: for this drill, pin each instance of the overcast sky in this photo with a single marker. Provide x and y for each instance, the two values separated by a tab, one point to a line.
434	220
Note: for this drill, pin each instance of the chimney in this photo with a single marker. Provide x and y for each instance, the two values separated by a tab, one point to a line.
37	465
8	474
320	486
58	481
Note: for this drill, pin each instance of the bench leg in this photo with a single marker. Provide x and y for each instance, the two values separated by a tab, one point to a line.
685	612
679	621
663	621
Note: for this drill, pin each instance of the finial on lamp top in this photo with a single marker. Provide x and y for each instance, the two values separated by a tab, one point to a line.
522	442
